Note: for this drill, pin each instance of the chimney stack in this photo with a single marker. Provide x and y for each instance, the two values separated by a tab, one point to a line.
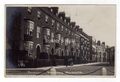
54	10
98	42
72	24
68	20
103	43
61	15
81	29
77	27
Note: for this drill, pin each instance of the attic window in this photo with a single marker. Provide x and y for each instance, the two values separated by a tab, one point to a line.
29	9
30	27
65	20
62	28
53	21
58	24
51	10
46	18
38	14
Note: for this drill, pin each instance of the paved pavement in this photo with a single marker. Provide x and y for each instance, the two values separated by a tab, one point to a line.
80	69
87	70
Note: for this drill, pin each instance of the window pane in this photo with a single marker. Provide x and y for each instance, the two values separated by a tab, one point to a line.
38	29
46	18
62	39
59	36
31	23
37	35
53	22
29	9
38	14
58	24
28	45
62	28
48	31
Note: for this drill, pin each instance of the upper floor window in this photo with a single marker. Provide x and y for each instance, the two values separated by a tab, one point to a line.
58	26
82	40
29	9
48	31
62	28
73	41
53	21
59	36
52	37
66	30
38	31
30	27
67	41
38	14
65	20
46	18
69	32
51	10
62	40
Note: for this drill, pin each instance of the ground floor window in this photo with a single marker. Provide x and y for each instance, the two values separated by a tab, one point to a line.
28	45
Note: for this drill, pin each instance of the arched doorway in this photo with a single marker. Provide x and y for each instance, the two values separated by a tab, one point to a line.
62	53
38	56
52	51
38	51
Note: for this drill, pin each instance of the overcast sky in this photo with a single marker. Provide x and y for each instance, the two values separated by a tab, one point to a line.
98	21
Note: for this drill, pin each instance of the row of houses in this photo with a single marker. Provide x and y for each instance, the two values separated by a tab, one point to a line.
43	34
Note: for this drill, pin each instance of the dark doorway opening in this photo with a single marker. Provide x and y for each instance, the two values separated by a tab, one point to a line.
38	51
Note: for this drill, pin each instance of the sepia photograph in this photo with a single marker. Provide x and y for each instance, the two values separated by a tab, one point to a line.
60	40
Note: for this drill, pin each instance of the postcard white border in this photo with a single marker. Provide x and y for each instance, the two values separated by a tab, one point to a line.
2	40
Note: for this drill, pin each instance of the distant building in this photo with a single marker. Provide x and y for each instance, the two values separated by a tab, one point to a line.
99	52
110	51
94	51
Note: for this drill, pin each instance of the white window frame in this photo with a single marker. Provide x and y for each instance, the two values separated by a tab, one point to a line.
52	37
58	24
62	39
38	31
29	46
29	9
62	28
59	36
53	21
48	32
51	10
29	27
38	14
64	20
46	18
